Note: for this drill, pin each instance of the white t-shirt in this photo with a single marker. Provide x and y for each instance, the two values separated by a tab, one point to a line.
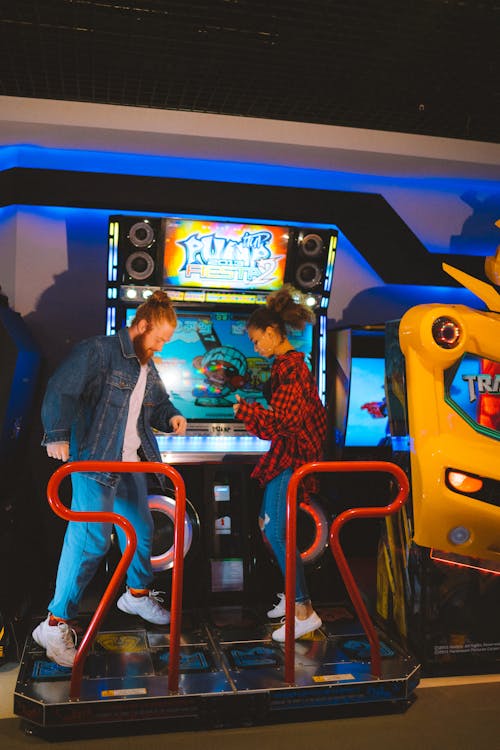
132	441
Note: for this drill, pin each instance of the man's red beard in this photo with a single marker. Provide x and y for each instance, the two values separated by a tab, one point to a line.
143	354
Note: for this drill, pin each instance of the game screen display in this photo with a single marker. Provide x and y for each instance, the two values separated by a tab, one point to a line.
472	388
223	255
210	358
367	421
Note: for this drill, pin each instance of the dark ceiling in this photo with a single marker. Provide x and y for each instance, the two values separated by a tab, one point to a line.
427	67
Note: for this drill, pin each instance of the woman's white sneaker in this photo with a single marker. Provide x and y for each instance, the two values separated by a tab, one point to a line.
148	607
302	627
58	640
279	608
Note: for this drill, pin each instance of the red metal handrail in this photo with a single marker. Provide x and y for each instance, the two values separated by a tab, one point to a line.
345	571
121	467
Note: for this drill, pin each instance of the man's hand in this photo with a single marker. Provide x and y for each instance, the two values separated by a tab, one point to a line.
58	450
178	424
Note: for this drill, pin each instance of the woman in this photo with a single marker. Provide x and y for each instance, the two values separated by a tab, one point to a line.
295	423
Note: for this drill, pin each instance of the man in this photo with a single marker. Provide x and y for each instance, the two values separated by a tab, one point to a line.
101	404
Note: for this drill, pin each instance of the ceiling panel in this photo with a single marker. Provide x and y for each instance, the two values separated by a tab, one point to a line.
427	67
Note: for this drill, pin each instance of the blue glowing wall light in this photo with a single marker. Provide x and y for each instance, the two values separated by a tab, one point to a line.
477	236
110	321
321	375
62	212
37	157
330	264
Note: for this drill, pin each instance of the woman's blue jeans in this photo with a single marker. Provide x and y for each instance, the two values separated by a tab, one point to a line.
85	544
273	515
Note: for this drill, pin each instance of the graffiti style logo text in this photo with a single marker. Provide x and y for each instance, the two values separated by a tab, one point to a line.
481	384
248	260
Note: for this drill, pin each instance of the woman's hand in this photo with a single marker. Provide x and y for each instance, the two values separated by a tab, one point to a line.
236	406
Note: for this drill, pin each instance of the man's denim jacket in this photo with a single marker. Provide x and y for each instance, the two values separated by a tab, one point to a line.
87	399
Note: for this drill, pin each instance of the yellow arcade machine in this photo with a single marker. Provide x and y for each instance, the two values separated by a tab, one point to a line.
439	565
452	355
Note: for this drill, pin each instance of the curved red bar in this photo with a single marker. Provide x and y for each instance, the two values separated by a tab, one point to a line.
120	467
350	584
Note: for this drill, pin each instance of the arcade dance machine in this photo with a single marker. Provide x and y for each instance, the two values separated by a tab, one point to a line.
230	671
439	562
217	272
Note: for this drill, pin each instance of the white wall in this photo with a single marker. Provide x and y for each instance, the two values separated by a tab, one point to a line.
41	254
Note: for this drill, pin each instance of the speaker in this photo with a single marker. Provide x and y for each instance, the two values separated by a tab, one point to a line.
140	250
307	259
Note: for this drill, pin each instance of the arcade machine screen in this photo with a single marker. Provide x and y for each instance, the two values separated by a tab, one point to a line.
210	358
361	416
367	422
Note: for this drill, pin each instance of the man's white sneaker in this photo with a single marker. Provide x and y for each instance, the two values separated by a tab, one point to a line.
279	608
58	640
313	622
148	607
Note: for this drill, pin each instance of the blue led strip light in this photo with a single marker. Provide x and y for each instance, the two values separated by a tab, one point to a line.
110	321
322	359
330	263
113	251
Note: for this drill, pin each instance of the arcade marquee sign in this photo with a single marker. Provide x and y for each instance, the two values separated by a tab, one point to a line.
195	258
227	256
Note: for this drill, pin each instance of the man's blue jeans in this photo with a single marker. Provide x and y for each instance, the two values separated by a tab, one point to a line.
273	514
85	544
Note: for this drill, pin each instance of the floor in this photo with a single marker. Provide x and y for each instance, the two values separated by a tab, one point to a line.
8	676
453	713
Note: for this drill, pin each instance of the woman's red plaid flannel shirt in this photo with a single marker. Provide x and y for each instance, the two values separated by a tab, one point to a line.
295	421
